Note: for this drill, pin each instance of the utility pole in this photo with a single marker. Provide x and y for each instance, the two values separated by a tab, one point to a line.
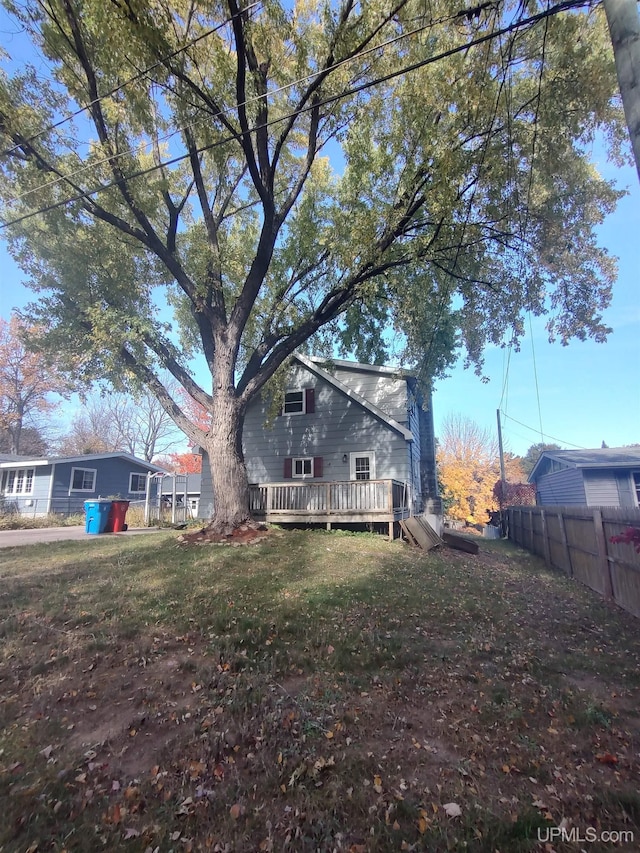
503	517
624	28
500	448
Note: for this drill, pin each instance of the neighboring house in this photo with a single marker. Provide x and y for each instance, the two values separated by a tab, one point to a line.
603	477
341	422
62	485
186	488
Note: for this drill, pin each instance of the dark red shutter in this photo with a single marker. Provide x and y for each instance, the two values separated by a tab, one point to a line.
288	473
310	400
317	466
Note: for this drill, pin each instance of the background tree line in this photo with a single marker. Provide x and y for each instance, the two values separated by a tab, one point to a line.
33	390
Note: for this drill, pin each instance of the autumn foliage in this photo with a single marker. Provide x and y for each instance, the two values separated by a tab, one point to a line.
514	494
186	463
468	467
27	383
629	536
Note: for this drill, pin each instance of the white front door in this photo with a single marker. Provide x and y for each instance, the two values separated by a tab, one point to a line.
362	466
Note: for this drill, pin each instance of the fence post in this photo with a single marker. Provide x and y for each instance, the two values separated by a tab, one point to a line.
565	545
532	544
545	540
602	553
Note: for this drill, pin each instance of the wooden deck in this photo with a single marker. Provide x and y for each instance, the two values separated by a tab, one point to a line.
350	501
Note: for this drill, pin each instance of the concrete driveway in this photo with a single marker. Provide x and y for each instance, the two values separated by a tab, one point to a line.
11	538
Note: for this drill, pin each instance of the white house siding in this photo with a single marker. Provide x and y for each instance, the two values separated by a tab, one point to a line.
561	488
337	427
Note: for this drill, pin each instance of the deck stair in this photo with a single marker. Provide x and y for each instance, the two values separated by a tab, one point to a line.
419	532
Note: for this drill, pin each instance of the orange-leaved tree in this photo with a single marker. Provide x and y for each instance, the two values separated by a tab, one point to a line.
29	382
184	463
468	466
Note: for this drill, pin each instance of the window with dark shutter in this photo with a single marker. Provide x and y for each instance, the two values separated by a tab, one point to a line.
310	400
317	466
288	469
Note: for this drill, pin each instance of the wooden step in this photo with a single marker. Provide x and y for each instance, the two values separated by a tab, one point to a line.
419	532
460	543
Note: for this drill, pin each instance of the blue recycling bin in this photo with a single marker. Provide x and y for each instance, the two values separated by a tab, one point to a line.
96	514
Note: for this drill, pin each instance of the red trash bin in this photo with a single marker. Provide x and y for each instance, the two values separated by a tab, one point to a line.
117	515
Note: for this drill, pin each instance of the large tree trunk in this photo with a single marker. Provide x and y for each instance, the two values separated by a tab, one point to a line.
624	27
228	472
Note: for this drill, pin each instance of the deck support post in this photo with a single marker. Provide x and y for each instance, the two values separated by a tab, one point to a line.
391	531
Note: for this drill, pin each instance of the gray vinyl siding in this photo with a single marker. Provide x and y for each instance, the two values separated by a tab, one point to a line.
388	393
601	488
626	488
338	426
561	488
205	507
414	448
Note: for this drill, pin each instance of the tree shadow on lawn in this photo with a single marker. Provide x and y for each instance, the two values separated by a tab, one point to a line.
335	690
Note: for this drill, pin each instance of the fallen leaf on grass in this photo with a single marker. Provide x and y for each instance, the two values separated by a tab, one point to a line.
607	758
423	822
377	784
452	809
46	751
131	833
236	811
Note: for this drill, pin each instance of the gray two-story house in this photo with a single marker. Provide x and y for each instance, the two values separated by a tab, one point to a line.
352	443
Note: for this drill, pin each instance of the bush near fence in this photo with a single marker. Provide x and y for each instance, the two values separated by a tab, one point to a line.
577	541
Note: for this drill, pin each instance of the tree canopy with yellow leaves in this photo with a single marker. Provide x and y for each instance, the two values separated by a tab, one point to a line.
468	468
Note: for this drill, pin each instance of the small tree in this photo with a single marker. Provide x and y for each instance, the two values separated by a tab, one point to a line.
533	454
134	424
29	384
468	464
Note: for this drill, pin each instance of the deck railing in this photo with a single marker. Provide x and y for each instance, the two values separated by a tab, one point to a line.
333	498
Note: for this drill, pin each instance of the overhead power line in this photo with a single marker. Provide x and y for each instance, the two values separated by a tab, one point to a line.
130	80
525	22
536	430
224	110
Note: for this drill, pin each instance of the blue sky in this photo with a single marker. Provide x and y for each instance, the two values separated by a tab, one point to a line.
584	394
587	393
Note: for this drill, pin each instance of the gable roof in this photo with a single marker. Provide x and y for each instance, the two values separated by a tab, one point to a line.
313	365
605	457
33	462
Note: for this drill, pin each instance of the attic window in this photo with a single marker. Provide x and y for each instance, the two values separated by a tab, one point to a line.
299	402
294	403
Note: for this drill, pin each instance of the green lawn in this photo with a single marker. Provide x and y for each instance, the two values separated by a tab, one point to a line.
315	692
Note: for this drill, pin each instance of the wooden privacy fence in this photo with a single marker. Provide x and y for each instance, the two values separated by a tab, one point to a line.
576	540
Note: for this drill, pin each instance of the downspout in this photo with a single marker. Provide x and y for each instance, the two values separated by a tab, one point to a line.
50	496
